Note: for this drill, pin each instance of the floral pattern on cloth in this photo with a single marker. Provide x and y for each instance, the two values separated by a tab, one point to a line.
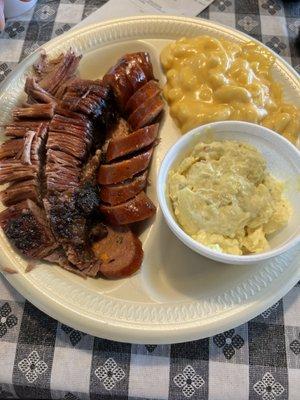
222	4
14	29
188	381
7	319
268	388
276	45
45	12
248	23
271	6
64	28
109	374
32	366
229	341
74	335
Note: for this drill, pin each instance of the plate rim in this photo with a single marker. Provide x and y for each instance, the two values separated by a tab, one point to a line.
112	331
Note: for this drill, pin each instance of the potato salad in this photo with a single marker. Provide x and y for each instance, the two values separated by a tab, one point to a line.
223	197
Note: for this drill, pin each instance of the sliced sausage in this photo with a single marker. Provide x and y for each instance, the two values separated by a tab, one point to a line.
149	90
143	59
146	112
117	79
120	252
120	193
137	209
131	143
130	73
135	75
122	170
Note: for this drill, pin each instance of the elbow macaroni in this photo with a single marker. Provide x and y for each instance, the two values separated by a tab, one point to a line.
211	79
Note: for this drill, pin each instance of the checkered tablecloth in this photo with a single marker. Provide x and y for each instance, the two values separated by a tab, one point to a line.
41	358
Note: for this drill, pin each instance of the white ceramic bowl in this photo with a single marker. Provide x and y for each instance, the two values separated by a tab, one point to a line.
283	162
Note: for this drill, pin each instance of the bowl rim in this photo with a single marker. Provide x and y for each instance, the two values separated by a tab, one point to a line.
172	155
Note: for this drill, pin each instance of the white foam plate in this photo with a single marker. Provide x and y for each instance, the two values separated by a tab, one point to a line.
177	295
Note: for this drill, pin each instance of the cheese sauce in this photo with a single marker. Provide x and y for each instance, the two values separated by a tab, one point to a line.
211	79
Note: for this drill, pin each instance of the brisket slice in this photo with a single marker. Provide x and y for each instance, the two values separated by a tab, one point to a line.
51	74
71	201
71	145
19	128
20	191
14	170
68	214
21	164
26	226
11	148
71	217
91	98
58	256
36	94
34	111
69	142
89	172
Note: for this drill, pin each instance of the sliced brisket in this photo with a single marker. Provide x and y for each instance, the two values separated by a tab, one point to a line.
34	111
51	74
26	226
20	191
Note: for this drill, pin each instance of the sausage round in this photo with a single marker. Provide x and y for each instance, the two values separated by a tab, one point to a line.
122	170
137	209
146	112
150	89
120	193
120	252
135	141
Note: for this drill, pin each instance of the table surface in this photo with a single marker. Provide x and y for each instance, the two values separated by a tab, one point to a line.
41	358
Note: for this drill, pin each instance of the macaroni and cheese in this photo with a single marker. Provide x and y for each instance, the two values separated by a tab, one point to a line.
211	79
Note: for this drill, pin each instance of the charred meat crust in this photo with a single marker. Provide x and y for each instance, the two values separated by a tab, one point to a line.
26	226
